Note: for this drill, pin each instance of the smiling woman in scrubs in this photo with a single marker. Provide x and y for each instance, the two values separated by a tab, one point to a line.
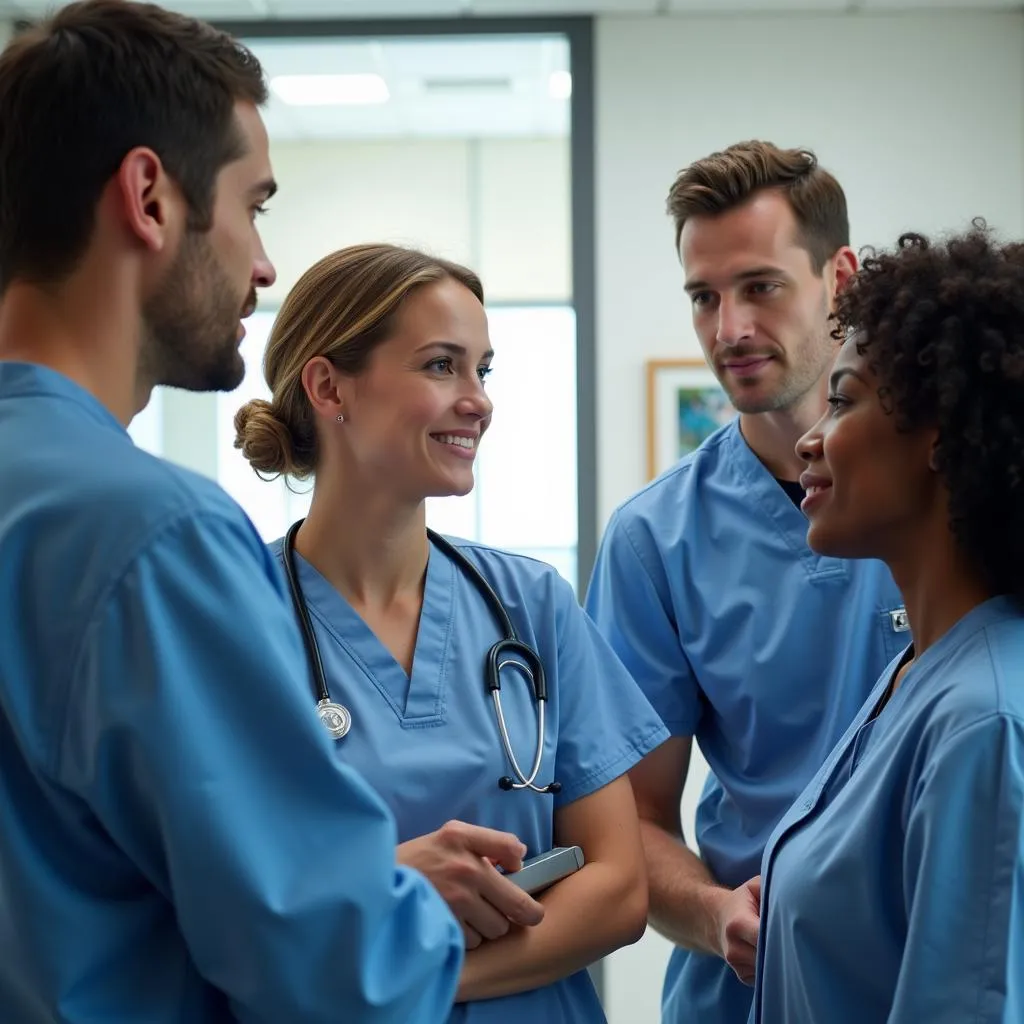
376	366
893	890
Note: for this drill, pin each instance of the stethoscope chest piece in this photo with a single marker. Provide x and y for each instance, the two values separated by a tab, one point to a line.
336	717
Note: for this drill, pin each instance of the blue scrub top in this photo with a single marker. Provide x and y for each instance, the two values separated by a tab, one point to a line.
893	890
747	640
430	743
178	843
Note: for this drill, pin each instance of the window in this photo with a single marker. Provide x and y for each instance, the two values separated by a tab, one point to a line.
147	429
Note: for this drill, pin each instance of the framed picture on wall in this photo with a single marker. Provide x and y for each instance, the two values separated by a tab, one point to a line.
685	404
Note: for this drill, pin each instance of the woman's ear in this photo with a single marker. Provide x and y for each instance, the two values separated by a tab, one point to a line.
320	381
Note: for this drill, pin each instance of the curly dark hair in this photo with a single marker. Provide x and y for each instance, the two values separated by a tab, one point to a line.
942	325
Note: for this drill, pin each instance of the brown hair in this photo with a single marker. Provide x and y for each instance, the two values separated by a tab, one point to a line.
725	180
342	308
80	91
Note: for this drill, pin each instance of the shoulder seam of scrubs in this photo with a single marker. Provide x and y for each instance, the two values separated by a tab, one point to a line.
977	723
156	532
469	546
607	771
626	529
684	465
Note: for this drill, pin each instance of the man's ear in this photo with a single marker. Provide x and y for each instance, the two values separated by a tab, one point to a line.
150	199
844	266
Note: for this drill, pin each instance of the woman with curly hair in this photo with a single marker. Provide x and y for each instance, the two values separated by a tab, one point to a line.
893	890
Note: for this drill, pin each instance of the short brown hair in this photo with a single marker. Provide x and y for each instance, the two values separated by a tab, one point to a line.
80	91
342	308
725	180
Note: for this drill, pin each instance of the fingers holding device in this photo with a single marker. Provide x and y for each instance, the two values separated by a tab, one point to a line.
547	868
459	859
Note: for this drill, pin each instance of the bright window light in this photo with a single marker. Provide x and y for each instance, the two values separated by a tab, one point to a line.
560	85
330	90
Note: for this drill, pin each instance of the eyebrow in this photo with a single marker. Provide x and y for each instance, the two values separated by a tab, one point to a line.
745	275
266	188
453	349
844	371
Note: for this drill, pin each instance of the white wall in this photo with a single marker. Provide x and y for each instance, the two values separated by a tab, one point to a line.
481	202
921	117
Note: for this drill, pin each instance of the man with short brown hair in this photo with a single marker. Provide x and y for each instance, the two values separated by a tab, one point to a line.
180	841
741	636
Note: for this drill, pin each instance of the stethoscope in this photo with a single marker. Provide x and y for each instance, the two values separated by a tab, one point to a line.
509	652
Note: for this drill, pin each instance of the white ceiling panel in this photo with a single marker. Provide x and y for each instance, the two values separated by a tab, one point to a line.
452	87
237	9
341	9
255	9
920	5
555	7
363	8
755	6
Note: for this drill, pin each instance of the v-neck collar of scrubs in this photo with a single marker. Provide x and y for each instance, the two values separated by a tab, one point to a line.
776	506
417	697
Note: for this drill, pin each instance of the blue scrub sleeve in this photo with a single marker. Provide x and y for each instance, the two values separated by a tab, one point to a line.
629	600
191	734
605	724
963	867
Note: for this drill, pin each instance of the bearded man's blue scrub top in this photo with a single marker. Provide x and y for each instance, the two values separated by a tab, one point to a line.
893	890
429	742
178	842
745	639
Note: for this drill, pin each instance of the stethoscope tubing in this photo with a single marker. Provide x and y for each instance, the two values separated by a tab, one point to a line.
527	661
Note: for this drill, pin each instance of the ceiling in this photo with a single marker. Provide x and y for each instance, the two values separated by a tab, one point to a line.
296	9
452	87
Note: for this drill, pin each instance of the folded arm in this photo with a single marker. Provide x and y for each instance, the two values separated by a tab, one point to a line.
588	914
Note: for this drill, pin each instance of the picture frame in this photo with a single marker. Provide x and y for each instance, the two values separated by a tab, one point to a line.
685	405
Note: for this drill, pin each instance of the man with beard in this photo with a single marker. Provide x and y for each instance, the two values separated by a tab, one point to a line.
179	841
741	636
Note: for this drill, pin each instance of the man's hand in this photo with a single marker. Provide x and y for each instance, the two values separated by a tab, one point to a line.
738	919
460	861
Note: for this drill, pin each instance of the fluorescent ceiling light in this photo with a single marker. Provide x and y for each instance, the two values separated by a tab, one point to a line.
560	85
330	90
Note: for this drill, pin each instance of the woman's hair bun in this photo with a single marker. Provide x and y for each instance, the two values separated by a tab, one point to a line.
264	440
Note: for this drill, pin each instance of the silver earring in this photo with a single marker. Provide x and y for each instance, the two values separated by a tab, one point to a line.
341	418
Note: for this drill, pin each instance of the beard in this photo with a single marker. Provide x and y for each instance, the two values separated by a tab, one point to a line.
190	326
796	380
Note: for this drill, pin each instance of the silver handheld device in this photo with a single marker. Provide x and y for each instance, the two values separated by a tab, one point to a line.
547	868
